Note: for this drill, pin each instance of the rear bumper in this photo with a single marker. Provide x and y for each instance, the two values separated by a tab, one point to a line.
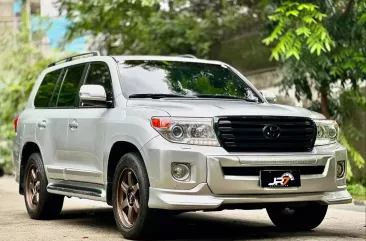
201	198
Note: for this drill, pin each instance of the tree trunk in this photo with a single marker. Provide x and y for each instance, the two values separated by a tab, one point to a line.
324	105
26	24
349	7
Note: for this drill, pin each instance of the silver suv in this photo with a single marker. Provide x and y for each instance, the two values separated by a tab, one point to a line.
147	134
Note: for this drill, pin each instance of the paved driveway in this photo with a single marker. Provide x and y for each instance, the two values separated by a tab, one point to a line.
88	220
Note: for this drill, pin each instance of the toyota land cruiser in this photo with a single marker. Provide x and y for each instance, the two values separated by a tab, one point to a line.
151	133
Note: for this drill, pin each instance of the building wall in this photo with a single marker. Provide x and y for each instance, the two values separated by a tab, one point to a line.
6	7
58	24
6	11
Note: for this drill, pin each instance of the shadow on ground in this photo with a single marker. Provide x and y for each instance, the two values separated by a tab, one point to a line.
192	226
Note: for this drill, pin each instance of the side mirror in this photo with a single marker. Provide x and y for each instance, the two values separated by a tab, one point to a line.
269	96
93	95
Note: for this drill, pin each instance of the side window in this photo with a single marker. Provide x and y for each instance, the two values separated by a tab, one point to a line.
46	89
70	86
53	101
98	74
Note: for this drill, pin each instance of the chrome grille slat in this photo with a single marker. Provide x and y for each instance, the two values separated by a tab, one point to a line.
245	133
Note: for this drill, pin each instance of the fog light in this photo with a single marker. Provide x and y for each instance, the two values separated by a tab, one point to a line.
341	169
180	171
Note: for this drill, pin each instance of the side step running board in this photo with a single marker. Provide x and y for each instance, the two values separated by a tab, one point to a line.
76	191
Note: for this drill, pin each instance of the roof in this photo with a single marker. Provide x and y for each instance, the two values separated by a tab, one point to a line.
94	56
122	58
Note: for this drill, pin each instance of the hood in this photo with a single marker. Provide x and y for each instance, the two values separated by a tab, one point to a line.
219	107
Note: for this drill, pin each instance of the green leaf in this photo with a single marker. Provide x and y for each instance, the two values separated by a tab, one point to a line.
308	19
362	19
304	6
324	35
275	55
267	41
313	48
293	13
327	46
357	158
303	31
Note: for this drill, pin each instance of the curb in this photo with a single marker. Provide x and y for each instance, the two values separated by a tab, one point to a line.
359	202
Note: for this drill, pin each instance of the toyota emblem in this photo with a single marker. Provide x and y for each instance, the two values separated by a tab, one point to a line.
271	131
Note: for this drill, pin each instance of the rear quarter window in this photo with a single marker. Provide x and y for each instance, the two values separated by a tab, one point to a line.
46	89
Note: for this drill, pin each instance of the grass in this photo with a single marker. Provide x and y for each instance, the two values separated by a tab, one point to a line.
357	191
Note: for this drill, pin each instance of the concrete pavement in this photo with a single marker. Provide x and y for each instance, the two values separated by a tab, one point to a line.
88	220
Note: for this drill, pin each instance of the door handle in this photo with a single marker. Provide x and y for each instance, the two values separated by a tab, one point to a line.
42	124
73	125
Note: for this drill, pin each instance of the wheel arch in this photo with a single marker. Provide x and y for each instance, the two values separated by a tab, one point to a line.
28	149
118	149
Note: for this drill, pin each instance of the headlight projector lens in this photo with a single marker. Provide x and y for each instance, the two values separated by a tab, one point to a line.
177	131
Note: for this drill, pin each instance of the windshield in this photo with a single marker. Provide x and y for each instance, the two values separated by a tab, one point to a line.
185	79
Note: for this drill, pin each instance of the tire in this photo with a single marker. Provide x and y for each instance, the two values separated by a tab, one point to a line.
39	203
302	218
130	197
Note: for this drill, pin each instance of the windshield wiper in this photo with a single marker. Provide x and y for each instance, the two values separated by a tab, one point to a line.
156	96
159	96
224	97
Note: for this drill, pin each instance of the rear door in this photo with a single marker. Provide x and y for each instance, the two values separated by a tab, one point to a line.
86	133
50	126
62	103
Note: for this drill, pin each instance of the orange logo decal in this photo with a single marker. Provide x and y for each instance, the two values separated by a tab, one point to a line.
286	179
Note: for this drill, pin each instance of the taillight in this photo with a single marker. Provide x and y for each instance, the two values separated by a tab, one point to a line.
16	124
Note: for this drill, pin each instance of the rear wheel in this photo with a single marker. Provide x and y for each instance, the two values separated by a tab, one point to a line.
302	218
130	196
39	203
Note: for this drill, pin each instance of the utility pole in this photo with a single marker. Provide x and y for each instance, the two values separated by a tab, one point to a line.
26	23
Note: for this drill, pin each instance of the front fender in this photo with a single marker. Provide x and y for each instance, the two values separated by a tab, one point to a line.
130	125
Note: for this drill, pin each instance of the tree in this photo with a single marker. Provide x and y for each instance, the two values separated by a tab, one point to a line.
20	65
322	45
26	33
160	27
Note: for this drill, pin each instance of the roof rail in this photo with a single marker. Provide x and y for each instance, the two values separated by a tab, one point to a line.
93	53
188	56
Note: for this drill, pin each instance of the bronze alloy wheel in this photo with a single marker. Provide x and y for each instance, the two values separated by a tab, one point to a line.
33	186
128	197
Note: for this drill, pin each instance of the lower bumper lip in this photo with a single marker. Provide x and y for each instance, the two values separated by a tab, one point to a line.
201	198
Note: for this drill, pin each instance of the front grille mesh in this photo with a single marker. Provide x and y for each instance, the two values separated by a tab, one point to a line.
255	170
245	134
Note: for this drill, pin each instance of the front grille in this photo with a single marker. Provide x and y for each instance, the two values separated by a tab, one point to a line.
246	134
254	171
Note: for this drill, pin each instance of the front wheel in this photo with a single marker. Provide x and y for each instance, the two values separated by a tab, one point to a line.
130	196
301	218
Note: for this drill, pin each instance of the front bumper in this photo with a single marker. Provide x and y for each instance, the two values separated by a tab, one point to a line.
210	188
201	198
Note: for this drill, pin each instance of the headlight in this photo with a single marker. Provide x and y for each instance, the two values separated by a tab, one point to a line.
193	131
327	132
